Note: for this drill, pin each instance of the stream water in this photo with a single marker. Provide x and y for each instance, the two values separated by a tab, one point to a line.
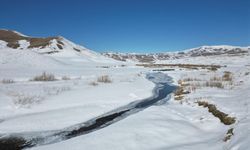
163	88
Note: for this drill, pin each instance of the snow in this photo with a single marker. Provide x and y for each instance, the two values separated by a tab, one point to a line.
20	34
3	44
174	125
62	99
77	103
85	54
23	44
180	126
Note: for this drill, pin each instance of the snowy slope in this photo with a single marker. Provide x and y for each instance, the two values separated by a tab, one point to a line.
34	106
55	47
179	125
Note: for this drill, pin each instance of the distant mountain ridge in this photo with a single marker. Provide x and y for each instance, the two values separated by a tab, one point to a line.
194	52
60	46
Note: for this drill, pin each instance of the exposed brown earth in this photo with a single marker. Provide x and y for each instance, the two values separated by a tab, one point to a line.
12	39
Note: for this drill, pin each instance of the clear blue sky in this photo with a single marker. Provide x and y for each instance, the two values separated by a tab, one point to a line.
132	25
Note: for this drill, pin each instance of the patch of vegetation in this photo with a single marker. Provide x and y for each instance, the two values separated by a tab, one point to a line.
65	78
179	93
13	45
224	118
104	79
26	101
188	66
12	39
212	68
7	81
39	42
230	133
105	67
217	84
93	83
227	76
44	77
164	70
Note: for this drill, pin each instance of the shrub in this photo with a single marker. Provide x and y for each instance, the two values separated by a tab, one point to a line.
227	76
104	79
179	93
93	83
7	81
22	100
224	118
55	90
65	78
44	77
213	68
216	84
215	78
178	97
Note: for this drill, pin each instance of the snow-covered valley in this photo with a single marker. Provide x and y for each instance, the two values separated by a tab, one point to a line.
84	85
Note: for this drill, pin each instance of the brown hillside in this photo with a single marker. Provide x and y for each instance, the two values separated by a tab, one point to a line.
12	39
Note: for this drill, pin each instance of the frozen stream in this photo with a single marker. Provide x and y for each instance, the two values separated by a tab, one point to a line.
163	88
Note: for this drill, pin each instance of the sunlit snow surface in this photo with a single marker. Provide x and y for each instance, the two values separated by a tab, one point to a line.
170	125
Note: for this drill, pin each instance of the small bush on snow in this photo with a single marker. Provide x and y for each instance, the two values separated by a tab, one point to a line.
44	77
104	79
93	83
23	100
7	81
55	90
227	76
65	78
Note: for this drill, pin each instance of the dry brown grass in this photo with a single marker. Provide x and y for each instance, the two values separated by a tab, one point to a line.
224	118
7	81
44	77
12	39
187	66
65	78
190	79
104	79
227	76
214	84
180	92
212	68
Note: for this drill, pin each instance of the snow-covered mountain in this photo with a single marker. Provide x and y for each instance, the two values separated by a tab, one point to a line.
194	52
56	47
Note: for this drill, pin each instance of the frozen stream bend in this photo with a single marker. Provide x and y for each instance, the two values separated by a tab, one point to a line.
17	141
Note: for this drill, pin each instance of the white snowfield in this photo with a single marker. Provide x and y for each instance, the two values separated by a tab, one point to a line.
27	106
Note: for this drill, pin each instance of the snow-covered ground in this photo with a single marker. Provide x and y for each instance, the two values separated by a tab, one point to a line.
58	104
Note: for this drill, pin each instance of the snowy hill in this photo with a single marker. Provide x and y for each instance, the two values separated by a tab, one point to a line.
216	50
57	47
194	52
59	95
